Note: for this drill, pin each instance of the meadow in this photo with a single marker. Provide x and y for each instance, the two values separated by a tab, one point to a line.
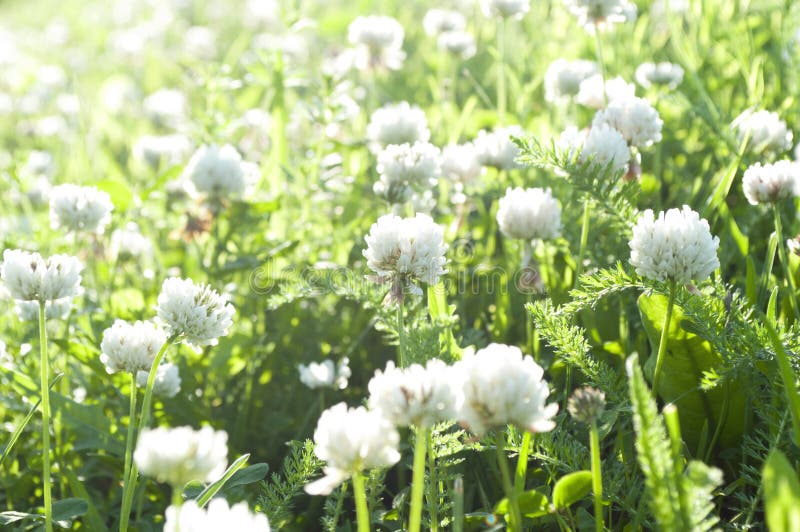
379	265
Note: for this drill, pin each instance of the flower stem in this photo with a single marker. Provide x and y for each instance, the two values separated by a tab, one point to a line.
433	496
43	377
418	479
131	429
362	512
501	70
597	477
785	262
400	335
522	464
515	518
144	417
662	344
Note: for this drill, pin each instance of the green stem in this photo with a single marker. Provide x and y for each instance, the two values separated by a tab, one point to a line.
584	240
769	261
433	495
177	502
458	505
144	417
362	513
662	344
785	263
597	477
418	479
43	377
501	70
400	335
131	429
522	464
788	377
515	522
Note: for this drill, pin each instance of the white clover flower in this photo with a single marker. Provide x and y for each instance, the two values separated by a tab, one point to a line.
218	171
603	145
179	455
676	246
200	42
502	387
770	183
766	130
218	516
406	249
29	277
58	309
416	395
130	243
563	78
459	43
155	149
600	14
76	208
397	124
793	244
664	73
460	163
378	40
635	118
496	149
529	213
325	374
438	21
166	107
131	347
195	312
167	383
590	91
505	8
402	166
351	440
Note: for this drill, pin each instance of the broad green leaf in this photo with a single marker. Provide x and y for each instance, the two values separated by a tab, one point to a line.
65	510
248	475
571	488
214	487
532	503
781	493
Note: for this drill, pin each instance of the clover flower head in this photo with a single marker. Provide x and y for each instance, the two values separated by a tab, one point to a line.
635	118
460	163
527	214
770	183
563	78
325	374
397	124
601	14
505	8
402	167
189	517
496	148
80	209
167	383
131	347
591	91
218	171
195	312
765	129
458	43
665	73
378	40
29	277
179	455
437	21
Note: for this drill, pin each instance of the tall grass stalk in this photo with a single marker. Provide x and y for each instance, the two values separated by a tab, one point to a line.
662	344
785	262
515	517
418	478
597	476
362	512
44	369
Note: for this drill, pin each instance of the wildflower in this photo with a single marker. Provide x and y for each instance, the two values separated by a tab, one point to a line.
664	73
527	214
129	243
397	124
166	107
155	149
600	14
677	246
603	145
402	166
563	78
179	455
131	347
636	119
500	387
460	163
29	277
404	250
496	149
586	404
57	309
505	8
77	208
351	440
794	245
379	42
218	171
438	21
218	516
458	43
325	374
770	183
590	92
416	395
765	129
195	312
167	383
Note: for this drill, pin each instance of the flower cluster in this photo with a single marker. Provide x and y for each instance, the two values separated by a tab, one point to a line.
29	277
563	78
195	312
460	163
437	21
218	516
635	118
397	124
179	455
505	8
765	130
667	74
131	347
496	149
596	93
599	14
529	214
325	374
219	171
167	383
80	209
379	42
403	166
769	183
602	145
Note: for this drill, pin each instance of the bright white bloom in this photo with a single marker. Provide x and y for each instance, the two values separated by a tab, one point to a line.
58	309
438	21
378	40
131	347
601	13
601	144
200	42
590	92
771	182
351	440
155	149
664	73
460	43
505	8
635	118
195	312
167	383
766	130
529	213
130	243
500	387
676	246
325	374
496	149
794	245
166	107
416	395
460	163
29	277
77	208
179	455
406	249
402	166
218	516
563	78
218	171
397	124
